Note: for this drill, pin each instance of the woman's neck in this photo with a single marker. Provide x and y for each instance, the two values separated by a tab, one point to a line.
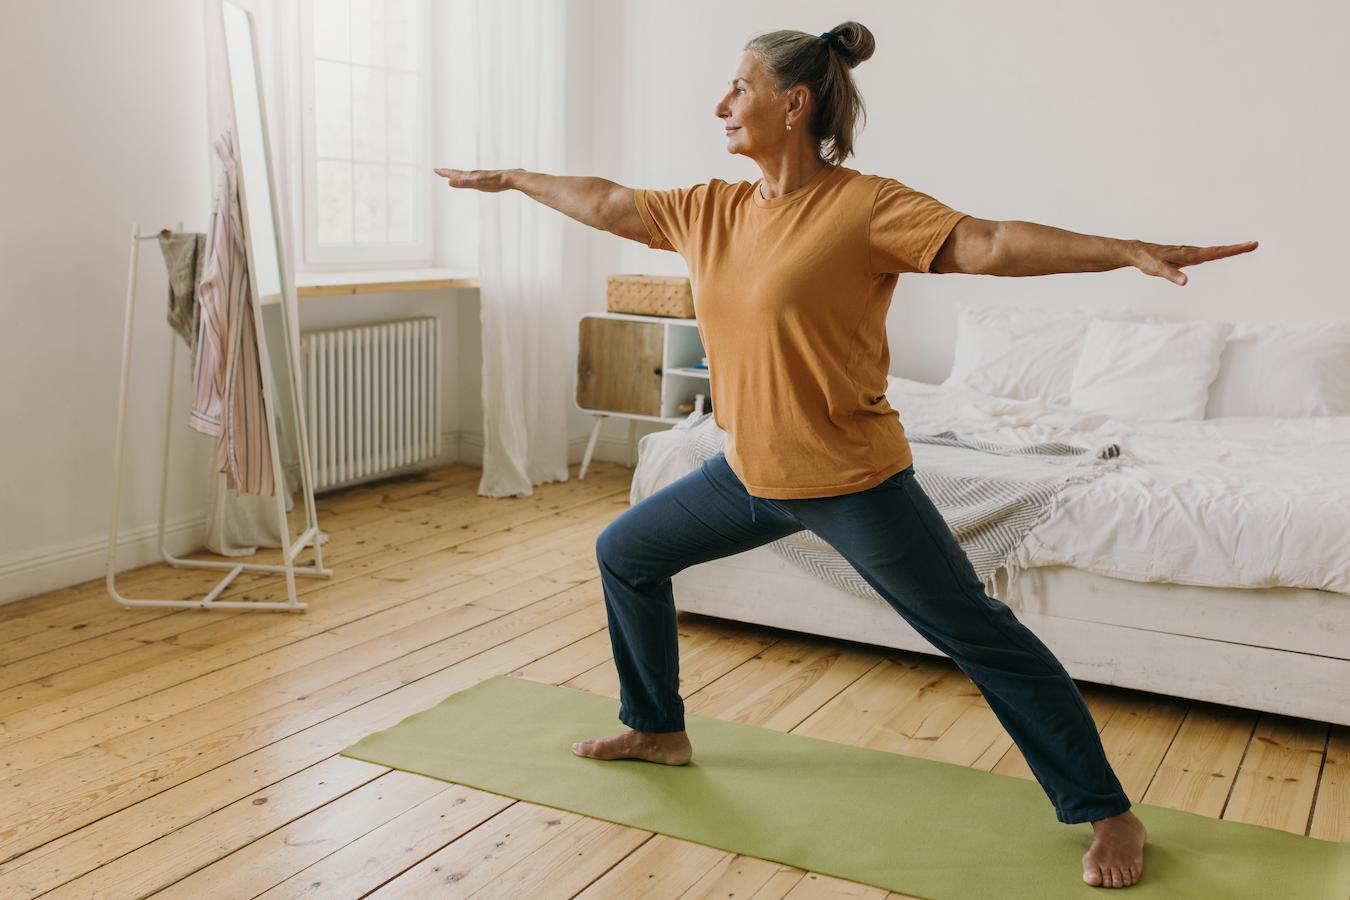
788	174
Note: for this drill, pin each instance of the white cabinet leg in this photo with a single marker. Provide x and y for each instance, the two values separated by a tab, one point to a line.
632	441
590	446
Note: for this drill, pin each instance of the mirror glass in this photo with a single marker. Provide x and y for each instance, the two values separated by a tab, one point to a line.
251	149
274	306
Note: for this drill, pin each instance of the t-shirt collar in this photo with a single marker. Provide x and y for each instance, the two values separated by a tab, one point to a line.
794	195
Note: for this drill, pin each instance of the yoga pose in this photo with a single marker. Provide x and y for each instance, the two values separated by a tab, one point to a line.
793	276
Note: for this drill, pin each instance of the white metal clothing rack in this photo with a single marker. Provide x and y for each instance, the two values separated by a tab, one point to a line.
261	235
232	569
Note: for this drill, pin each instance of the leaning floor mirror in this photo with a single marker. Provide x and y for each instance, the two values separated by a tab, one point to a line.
276	313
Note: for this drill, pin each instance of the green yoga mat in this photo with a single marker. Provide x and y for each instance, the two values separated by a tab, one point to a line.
916	826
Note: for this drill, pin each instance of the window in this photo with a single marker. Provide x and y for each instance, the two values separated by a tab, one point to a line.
366	132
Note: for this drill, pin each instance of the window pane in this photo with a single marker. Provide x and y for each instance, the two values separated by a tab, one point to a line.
368	32
334	202
371	204
402	204
331	29
368	153
401	25
403	115
368	104
332	110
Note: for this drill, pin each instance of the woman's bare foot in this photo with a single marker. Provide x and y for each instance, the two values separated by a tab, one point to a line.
671	748
1116	857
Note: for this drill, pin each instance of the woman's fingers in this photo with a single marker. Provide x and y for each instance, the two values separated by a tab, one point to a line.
1170	272
454	176
1235	249
1189	256
478	179
1166	260
463	178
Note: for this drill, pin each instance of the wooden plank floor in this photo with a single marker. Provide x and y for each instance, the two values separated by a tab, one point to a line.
189	753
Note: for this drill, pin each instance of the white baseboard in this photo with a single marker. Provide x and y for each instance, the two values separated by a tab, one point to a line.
48	569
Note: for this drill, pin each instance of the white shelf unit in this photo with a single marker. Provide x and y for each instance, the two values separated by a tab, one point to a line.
639	368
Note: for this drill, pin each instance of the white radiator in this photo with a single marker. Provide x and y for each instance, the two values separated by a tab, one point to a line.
374	404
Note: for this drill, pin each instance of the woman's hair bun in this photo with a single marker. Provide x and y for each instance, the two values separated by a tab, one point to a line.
854	42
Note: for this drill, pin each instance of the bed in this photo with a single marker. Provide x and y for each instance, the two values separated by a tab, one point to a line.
1209	559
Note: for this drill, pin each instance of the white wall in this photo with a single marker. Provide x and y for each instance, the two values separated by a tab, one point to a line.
1203	122
105	125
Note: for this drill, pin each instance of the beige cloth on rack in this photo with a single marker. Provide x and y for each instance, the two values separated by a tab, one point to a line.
238	524
183	254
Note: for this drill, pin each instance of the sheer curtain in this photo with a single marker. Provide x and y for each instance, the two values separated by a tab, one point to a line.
527	301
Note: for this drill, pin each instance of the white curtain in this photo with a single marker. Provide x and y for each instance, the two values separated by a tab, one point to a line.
238	524
528	304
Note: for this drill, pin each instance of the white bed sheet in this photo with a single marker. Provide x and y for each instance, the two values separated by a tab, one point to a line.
1240	502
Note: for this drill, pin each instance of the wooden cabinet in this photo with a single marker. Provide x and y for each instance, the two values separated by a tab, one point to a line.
619	366
637	367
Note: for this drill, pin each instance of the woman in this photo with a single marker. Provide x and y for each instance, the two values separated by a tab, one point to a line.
793	277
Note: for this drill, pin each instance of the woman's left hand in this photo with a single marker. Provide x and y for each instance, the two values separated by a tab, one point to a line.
1166	260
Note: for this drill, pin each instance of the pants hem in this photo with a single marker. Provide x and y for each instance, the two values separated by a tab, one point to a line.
651	725
1092	815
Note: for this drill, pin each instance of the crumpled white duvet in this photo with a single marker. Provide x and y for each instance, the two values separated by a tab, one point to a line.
1238	502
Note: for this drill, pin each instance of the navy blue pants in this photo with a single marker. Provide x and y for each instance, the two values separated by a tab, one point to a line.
896	539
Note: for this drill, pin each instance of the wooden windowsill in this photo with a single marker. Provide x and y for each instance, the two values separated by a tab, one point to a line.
381	281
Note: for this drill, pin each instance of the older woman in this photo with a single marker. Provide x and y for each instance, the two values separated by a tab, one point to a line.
793	275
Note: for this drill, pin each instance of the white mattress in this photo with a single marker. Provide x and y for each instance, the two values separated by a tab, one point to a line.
1241	502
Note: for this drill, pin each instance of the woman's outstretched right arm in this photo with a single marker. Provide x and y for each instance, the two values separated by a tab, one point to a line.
596	202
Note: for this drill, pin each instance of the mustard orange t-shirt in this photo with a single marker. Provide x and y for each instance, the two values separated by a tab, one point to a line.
791	295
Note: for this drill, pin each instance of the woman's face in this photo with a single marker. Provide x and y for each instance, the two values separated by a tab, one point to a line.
755	117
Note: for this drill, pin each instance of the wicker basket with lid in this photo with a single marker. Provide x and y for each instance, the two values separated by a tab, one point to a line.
651	295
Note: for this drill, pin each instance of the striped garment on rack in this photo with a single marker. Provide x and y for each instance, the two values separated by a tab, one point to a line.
227	398
990	509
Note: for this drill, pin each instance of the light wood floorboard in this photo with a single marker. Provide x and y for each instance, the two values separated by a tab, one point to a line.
193	753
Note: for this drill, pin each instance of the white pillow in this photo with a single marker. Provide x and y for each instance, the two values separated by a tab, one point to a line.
1022	351
1148	370
1282	370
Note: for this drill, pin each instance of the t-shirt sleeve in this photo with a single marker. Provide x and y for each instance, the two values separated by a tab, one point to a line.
671	215
907	228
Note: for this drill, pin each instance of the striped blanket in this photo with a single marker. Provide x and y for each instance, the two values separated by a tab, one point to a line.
990	494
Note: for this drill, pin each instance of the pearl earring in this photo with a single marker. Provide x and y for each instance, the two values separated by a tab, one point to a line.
789	128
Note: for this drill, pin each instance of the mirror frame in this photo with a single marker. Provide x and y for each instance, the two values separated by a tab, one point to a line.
287	298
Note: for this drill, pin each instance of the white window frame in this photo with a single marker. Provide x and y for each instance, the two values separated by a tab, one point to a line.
413	254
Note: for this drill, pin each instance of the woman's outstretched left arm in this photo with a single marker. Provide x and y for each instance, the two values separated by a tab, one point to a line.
988	247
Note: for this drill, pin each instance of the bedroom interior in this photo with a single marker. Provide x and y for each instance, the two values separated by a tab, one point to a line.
277	605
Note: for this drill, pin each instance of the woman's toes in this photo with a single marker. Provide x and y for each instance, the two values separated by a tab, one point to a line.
1092	875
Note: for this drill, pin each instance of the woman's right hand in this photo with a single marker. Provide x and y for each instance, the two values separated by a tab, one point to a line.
490	180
